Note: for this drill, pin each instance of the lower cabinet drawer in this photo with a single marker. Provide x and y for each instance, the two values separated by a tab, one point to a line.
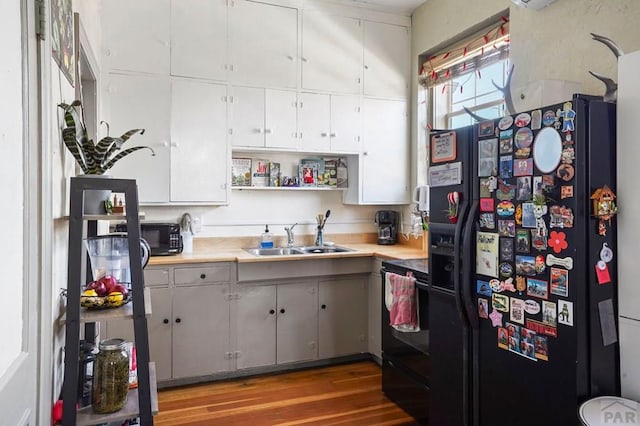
156	277
202	274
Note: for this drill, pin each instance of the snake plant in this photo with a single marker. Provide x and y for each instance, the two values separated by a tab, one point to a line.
93	158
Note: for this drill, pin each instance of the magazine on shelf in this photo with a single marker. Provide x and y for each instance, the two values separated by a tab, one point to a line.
241	172
259	172
274	174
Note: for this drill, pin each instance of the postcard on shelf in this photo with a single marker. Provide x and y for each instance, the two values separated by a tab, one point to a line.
342	173
274	174
259	172
331	172
308	174
318	164
241	172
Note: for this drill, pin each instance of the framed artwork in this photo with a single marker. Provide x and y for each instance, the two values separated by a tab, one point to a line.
443	147
62	38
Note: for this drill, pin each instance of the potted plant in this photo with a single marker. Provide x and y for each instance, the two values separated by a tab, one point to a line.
94	159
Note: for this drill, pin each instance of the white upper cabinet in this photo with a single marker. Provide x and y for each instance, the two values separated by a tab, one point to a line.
329	123
263	44
263	118
331	53
133	102
387	60
199	38
199	151
136	35
382	175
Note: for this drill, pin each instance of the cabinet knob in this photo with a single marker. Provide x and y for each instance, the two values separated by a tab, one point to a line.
272	311
324	306
175	144
282	311
324	134
165	321
203	276
333	135
178	320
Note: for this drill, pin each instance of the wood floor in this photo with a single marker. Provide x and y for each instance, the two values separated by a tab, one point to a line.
348	394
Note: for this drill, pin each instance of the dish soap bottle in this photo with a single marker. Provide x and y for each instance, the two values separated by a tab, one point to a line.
266	240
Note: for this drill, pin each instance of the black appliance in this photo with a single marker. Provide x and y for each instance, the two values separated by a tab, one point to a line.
163	238
387	221
519	256
406	366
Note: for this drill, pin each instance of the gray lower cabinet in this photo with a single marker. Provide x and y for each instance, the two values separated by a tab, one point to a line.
276	323
375	310
189	329
342	318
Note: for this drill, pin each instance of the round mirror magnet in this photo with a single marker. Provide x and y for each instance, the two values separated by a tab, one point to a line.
547	150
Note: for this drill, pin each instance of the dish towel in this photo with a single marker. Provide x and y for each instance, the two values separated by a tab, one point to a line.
401	299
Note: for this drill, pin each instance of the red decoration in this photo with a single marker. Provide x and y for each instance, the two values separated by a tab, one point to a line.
464	66
464	52
446	55
444	87
504	19
557	241
448	73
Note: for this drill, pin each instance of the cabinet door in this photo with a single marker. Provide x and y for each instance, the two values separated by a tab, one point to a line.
247	116
199	153
387	60
263	44
385	156
199	38
135	35
343	317
375	311
331	53
313	122
158	327
256	326
134	102
200	330
345	124
280	119
297	330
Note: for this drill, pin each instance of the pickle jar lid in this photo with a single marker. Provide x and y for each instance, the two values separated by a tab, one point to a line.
111	344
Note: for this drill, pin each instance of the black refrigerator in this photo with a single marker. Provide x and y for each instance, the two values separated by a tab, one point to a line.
522	249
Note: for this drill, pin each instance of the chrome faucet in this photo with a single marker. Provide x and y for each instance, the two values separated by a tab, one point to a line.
290	235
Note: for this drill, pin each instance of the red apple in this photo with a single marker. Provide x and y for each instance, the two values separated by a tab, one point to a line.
121	289
98	286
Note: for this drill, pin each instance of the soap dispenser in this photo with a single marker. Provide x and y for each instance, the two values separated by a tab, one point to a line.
266	241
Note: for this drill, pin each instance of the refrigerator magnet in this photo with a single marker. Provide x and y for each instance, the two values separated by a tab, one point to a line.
540	266
602	272
483	308
495	285
506	145
443	147
565	312
565	172
505	191
506	166
496	318
537	288
518	215
516	313
522	241
485	128
486	204
521	283
524	138
531	307
487	221
503	338
541	347
536	119
568	115
523	167
526	343
566	192
606	254
523	187
483	288
506	271
522	119
559	282
568	155
549	313
506	249
557	242
541	328
505	208
505	122
560	217
500	302
507	228
548	118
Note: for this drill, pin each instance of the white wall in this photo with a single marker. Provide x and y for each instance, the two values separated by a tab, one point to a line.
11	146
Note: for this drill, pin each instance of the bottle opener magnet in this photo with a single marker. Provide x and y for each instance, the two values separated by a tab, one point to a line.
606	254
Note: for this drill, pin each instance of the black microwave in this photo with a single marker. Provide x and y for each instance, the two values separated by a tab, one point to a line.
163	238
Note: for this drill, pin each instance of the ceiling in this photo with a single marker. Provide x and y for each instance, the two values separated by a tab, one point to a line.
402	7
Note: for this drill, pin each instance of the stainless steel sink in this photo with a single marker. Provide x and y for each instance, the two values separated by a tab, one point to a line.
284	251
279	251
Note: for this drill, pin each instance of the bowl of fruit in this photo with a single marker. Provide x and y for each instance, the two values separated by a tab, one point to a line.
105	293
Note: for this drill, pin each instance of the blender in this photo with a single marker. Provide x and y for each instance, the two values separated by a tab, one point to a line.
109	255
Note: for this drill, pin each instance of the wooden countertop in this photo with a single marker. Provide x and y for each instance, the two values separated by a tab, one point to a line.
212	253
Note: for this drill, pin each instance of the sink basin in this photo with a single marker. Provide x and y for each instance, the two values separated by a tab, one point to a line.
322	249
283	251
278	251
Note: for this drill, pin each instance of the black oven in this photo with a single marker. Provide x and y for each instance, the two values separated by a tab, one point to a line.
406	367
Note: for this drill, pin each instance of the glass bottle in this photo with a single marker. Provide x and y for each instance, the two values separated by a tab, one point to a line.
110	377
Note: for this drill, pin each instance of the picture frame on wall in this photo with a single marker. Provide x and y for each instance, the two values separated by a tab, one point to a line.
62	38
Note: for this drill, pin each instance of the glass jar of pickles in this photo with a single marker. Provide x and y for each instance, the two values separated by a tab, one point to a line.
110	377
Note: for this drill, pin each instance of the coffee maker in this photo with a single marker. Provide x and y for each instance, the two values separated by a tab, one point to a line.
387	221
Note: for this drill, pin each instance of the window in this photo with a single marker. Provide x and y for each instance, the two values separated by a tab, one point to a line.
462	74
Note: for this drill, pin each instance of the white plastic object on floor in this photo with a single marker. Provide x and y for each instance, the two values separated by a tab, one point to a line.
609	410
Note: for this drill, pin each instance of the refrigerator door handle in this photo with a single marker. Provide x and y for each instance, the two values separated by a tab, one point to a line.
467	288
457	287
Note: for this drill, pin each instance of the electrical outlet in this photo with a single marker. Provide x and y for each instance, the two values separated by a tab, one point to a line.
197	224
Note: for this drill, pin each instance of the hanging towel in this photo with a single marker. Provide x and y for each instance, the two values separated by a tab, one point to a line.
401	299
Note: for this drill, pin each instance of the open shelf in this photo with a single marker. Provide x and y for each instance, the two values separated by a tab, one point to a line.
125	311
86	416
111	217
286	188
